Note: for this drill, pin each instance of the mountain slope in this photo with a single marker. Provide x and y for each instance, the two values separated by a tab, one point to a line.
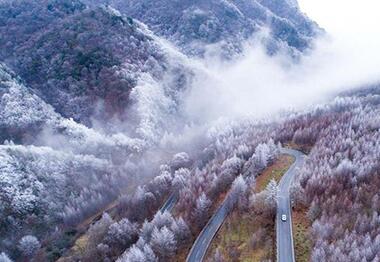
87	94
84	62
191	24
59	171
21	112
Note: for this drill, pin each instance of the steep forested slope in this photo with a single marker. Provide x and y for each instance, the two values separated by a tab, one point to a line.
69	173
194	24
70	61
84	62
21	112
86	95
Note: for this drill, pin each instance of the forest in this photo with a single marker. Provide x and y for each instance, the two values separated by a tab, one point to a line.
119	141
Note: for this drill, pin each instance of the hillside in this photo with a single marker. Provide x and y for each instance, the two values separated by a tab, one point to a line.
93	115
194	25
84	62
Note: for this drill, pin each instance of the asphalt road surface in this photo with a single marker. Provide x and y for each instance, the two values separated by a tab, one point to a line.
199	249
285	249
170	203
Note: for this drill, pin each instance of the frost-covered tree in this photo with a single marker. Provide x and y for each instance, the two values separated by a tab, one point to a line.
98	231
28	245
262	154
121	233
265	202
201	210
243	151
180	160
181	231
232	165
163	234
4	257
146	230
138	254
339	181
163	242
161	184
271	195
133	255
143	202
238	196
179	180
162	219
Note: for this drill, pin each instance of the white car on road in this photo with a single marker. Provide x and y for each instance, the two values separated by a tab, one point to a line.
283	218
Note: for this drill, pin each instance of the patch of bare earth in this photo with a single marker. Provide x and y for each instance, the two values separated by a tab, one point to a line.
301	234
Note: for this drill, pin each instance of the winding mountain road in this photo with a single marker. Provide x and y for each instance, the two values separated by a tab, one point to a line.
284	235
201	244
285	251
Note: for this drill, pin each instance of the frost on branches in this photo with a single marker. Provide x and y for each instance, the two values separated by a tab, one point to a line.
340	179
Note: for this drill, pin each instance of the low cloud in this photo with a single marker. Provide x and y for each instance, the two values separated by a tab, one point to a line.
258	85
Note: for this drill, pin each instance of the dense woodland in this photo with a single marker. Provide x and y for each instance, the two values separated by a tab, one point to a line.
339	182
195	26
87	62
94	136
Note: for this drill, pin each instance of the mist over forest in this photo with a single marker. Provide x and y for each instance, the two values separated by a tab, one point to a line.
125	125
